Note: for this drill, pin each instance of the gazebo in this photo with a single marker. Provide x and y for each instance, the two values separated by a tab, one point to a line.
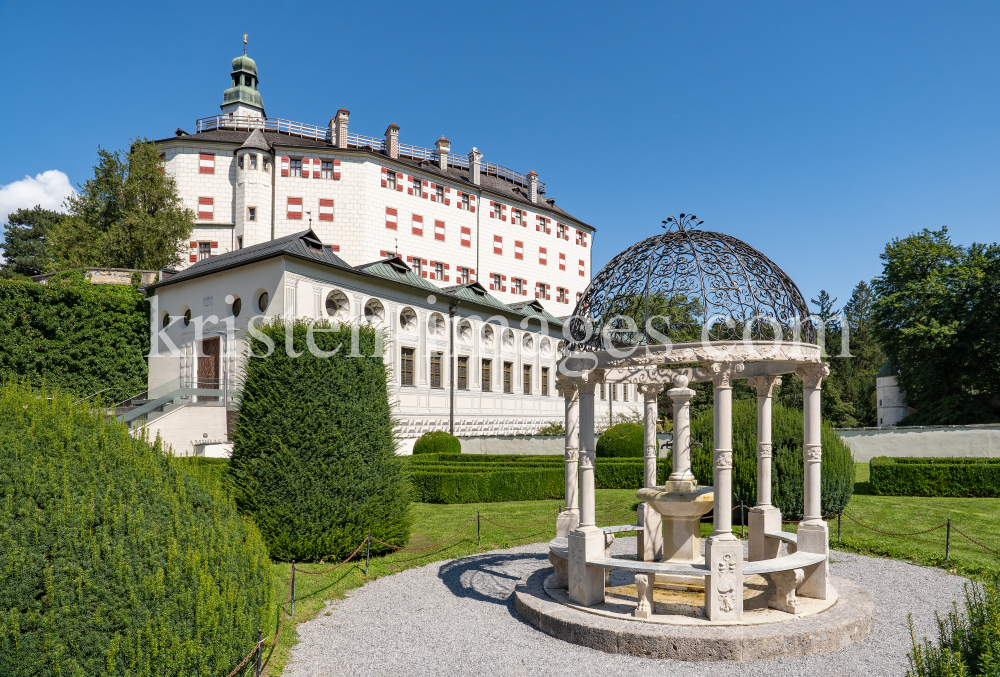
689	305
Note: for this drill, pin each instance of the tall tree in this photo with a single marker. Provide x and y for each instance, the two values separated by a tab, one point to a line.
128	216
856	374
28	241
934	318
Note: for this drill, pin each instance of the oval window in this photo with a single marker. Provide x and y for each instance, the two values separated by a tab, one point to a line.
262	302
237	307
187	317
166	320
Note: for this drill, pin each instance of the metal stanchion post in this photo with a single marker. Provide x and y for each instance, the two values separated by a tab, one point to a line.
368	550
260	650
479	530
947	542
293	588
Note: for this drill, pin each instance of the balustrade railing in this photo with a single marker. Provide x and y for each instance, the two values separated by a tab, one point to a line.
292	128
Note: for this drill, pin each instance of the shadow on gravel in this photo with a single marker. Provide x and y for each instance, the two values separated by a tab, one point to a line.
490	578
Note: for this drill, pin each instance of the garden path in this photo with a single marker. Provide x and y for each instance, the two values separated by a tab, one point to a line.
457	617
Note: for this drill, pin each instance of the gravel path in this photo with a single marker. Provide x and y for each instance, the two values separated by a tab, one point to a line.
457	618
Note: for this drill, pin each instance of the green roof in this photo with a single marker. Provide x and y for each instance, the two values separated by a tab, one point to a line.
395	270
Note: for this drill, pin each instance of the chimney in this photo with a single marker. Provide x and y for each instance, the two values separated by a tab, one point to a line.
340	121
443	146
392	140
533	186
475	158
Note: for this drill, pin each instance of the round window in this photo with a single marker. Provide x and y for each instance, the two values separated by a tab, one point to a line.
262	302
166	320
337	305
408	320
237	307
374	311
488	335
187	317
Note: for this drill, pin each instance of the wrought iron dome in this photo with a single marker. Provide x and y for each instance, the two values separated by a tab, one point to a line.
686	285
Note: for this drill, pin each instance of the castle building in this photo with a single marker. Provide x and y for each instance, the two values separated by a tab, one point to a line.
453	218
466	265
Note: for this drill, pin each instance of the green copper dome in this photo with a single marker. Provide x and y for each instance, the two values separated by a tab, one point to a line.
243	87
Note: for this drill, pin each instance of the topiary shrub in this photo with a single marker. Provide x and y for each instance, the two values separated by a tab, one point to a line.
437	442
624	440
959	477
115	561
786	461
314	453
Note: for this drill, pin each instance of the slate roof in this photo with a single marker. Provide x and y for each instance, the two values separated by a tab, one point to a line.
888	369
305	245
256	141
507	191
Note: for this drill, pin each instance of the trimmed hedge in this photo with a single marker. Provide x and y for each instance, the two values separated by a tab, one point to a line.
437	442
116	560
786	461
314	455
958	477
74	335
625	440
474	478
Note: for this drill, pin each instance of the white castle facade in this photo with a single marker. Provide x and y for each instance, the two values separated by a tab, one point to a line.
466	264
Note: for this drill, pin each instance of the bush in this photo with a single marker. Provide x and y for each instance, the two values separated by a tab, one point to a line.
314	455
968	644
625	440
959	477
115	561
437	442
74	335
786	461
474	478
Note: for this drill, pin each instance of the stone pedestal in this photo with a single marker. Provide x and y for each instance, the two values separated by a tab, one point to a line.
650	538
680	505
763	519
586	584
814	536
567	521
724	583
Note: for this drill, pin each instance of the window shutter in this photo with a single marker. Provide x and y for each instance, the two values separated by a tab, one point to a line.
417	225
336	170
391	220
206	163
439	230
409	189
326	210
317	168
399	182
194	245
284	166
193	258
206	208
583	268
466	237
472	204
425	192
385	175
294	210
518	249
447	196
433	192
305	167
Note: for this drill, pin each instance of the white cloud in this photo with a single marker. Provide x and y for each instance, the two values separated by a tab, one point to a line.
47	189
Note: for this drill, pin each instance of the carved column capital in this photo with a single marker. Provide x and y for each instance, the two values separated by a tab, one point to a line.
764	385
568	389
724	373
571	454
650	391
763	450
812	375
587	385
587	460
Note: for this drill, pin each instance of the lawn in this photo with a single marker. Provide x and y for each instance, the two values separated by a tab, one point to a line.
434	523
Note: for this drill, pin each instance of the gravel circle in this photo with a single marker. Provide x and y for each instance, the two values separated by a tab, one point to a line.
457	617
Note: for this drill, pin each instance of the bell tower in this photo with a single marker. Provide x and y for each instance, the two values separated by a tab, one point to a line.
242	98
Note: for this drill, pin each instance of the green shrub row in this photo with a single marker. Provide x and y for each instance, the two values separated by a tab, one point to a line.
959	477
115	559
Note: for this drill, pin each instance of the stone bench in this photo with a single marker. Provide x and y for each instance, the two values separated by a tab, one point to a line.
786	571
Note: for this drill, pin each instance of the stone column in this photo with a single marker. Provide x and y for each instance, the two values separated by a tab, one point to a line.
569	518
681	397
586	542
723	551
764	517
813	533
650	539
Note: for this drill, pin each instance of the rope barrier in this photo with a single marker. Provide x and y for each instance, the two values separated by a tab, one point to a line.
891	533
246	658
326	571
427	547
975	541
526	526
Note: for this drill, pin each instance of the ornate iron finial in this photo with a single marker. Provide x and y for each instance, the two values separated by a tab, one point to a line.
682	222
244	44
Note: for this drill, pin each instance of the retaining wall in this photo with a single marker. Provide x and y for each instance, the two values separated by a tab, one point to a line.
941	441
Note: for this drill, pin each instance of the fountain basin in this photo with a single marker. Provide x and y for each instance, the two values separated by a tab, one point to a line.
693	503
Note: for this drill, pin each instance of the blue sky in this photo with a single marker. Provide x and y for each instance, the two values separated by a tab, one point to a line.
815	131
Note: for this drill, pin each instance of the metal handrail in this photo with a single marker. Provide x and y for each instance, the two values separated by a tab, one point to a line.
290	127
83	399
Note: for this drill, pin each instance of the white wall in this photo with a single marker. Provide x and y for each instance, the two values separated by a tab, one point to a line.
958	441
